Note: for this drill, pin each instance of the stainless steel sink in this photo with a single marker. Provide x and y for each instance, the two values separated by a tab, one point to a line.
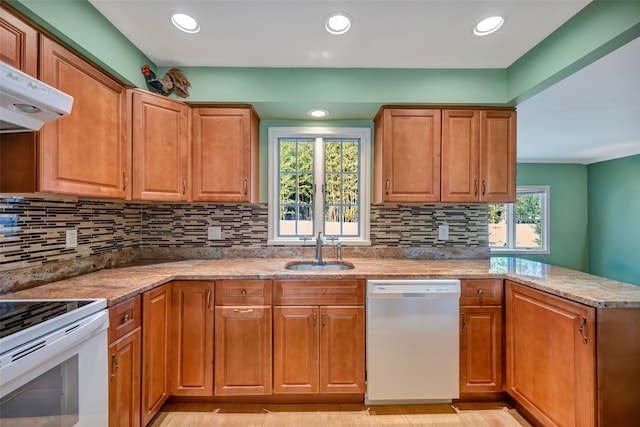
328	265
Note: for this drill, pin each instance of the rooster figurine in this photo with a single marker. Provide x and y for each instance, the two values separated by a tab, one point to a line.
173	80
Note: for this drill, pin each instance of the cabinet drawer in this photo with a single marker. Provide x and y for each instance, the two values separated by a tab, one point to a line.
124	318
481	292
316	292
243	292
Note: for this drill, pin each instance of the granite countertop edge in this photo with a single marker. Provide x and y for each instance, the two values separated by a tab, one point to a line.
120	284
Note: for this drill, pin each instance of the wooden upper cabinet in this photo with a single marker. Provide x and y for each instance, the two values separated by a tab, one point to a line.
18	43
85	153
478	156
460	155
498	156
225	154
407	155
159	129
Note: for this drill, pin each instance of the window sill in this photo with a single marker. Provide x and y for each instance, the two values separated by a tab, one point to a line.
497	251
312	242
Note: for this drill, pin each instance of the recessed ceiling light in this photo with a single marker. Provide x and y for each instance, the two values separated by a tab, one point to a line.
318	113
488	25
337	23
185	23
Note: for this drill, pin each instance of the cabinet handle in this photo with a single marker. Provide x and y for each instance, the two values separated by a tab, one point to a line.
184	186
246	187
581	329
124	181
484	187
114	363
387	185
464	322
324	320
208	299
248	310
125	318
475	193
315	321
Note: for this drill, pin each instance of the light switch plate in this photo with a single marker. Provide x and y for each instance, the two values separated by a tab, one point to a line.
443	232
214	233
71	239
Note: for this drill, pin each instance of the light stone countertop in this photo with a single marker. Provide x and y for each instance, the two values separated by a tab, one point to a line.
120	284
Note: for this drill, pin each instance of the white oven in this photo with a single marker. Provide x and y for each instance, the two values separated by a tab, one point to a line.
54	369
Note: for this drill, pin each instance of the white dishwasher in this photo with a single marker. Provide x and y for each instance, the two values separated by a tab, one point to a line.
412	341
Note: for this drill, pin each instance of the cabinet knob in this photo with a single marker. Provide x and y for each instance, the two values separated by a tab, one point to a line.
243	292
125	318
480	292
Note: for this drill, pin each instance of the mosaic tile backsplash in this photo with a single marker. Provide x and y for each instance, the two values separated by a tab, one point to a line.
32	232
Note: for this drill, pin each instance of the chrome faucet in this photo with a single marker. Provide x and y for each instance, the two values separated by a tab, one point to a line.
319	242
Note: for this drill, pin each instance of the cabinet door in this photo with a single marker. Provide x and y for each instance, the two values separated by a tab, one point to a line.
408	141
124	385
498	156
243	350
156	308
481	349
160	138
225	155
192	338
85	153
342	349
550	356
460	161
295	349
18	43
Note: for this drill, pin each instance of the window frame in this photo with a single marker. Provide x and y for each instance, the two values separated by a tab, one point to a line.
364	181
545	221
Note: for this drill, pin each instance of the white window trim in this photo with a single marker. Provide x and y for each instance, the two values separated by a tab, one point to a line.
545	220
364	134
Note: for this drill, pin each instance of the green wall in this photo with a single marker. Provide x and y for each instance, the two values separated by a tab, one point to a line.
568	209
614	219
355	93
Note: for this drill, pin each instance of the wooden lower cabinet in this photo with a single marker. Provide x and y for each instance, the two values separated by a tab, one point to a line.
481	339
480	350
124	381
550	343
318	349
243	338
156	311
243	350
192	308
124	364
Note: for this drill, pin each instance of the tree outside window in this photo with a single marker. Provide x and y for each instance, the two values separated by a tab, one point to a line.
318	182
522	226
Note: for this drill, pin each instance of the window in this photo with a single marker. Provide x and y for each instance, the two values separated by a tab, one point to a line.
522	226
319	182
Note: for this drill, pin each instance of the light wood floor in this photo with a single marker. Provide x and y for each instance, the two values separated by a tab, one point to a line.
351	415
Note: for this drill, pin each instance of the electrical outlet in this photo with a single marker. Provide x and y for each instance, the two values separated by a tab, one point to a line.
443	232
71	239
214	233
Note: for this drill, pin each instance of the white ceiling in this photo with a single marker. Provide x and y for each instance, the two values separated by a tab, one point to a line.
591	116
566	122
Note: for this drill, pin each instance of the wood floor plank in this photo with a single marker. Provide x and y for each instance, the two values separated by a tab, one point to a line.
347	415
